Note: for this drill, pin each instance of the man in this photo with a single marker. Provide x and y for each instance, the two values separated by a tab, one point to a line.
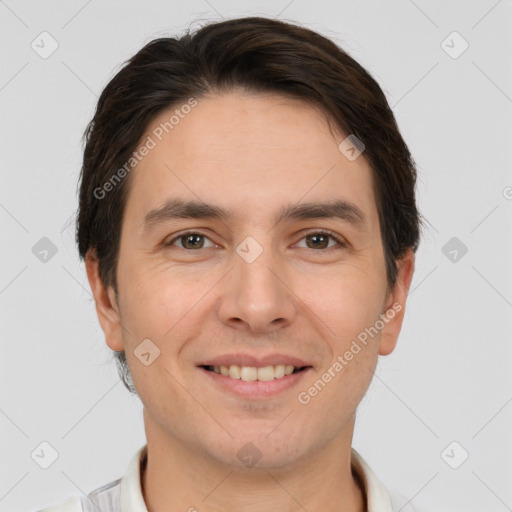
248	222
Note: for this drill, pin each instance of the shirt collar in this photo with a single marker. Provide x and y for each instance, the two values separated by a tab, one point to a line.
377	497
132	499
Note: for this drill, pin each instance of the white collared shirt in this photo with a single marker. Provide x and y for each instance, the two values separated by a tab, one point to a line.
125	494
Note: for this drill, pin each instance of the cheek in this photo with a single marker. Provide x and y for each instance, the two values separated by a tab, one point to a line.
161	304
156	307
145	289
331	398
348	301
350	306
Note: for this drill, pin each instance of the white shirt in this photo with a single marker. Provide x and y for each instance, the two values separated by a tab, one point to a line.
125	494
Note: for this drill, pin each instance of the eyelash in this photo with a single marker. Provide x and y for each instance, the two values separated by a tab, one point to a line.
341	243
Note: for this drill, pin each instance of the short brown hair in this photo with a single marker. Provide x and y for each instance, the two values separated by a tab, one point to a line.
260	55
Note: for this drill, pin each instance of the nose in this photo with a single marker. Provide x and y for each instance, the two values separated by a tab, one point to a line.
255	296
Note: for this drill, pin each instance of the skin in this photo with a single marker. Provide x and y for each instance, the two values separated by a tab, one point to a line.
252	154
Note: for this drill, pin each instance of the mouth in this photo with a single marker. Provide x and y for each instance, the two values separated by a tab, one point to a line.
254	373
255	378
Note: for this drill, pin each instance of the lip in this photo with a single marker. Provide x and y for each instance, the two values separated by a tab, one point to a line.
254	361
256	389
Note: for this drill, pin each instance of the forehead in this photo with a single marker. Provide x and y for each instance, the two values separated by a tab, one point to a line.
245	150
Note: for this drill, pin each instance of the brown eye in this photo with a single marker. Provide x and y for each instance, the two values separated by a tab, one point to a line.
318	241
321	239
190	240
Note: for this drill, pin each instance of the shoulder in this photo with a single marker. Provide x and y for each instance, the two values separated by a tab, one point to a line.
104	498
108	497
71	504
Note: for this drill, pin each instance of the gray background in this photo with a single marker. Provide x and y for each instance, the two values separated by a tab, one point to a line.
450	376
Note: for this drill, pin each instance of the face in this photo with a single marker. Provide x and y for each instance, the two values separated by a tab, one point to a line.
263	281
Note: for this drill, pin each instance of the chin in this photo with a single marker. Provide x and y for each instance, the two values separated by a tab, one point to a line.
262	450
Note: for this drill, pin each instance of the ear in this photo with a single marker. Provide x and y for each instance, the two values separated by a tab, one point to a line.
395	306
106	304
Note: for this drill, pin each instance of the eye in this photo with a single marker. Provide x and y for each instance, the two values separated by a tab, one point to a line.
320	239
315	239
189	240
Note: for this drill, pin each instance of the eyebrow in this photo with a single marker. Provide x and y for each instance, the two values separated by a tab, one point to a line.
178	209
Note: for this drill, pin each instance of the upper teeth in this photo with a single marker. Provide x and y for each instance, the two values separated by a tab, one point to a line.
250	373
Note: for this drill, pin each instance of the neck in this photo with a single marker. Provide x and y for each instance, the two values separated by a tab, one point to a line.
180	479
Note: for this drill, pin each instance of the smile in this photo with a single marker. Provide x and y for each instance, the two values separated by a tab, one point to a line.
253	373
255	377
